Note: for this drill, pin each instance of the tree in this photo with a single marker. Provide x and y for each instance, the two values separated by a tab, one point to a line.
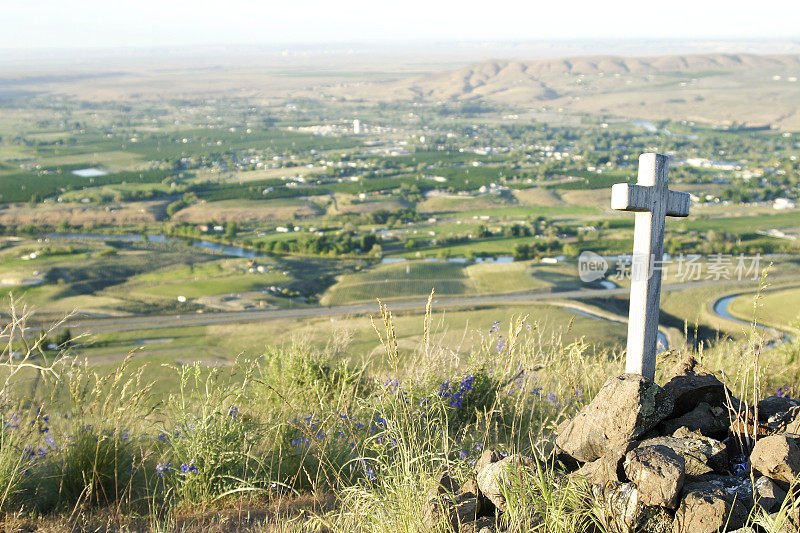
64	339
570	250
231	229
368	241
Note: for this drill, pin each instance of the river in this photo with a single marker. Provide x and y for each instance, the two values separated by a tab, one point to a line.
233	251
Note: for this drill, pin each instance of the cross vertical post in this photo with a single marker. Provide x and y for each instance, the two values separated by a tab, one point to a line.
652	202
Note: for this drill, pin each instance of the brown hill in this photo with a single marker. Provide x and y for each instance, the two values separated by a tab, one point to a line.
716	88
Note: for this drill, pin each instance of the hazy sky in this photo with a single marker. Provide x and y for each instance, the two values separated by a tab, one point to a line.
28	24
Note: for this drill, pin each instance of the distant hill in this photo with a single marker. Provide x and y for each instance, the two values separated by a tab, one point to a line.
717	88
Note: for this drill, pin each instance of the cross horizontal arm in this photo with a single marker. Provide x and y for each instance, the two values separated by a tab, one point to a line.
678	204
630	197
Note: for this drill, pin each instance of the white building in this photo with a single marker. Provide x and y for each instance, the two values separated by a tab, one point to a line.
784	203
356	126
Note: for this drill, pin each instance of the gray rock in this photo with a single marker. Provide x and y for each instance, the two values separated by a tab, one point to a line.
709	421
624	511
485	505
702	454
608	468
627	407
778	457
691	384
708	509
658	473
488	456
495	476
788	422
739	488
453	510
769	496
620	501
655	520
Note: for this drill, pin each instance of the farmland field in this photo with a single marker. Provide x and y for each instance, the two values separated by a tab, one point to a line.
394	280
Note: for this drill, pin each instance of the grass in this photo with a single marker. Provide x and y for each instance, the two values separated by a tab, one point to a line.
209	287
741	224
392	280
498	278
775	308
307	417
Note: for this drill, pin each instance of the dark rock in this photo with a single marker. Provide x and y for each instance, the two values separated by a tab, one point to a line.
708	509
774	408
738	455
627	407
702	454
769	496
564	461
710	421
494	476
481	525
444	485
658	473
778	457
691	384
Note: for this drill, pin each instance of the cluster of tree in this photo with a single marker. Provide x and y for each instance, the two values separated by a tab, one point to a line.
537	249
185	201
344	243
384	217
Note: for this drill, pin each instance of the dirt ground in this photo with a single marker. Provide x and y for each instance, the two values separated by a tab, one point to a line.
82	214
247	211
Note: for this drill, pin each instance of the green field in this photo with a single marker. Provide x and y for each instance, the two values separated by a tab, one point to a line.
210	287
778	308
492	278
396	280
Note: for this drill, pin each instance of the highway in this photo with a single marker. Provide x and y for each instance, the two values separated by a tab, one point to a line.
146	322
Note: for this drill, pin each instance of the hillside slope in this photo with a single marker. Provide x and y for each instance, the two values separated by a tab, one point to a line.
716	88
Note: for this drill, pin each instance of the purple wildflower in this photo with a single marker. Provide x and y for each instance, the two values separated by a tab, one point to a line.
163	468
188	468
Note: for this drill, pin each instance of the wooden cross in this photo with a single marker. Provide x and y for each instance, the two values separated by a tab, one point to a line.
652	201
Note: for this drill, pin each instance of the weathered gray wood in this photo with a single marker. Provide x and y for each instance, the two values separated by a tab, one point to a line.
630	197
652	201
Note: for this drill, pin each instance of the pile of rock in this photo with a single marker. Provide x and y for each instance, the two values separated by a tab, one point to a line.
675	458
678	458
